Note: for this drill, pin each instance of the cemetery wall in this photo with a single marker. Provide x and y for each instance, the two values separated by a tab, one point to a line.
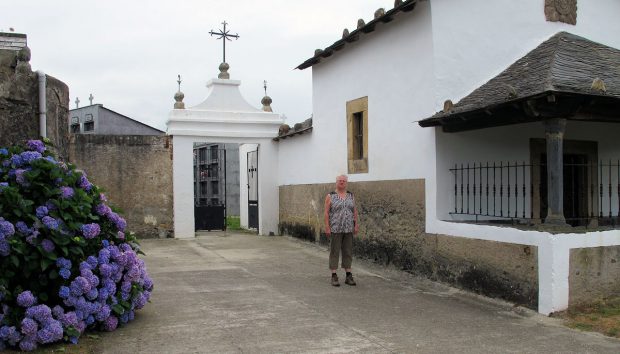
136	173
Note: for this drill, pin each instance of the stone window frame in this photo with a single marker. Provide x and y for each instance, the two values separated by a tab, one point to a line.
357	106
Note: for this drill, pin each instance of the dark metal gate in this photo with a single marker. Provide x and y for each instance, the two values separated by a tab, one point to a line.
253	189
210	188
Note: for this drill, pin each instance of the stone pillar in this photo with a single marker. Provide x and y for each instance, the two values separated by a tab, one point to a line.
554	134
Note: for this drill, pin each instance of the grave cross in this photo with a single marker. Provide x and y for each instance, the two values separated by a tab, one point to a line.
265	86
224	36
77	102
179	82
91	98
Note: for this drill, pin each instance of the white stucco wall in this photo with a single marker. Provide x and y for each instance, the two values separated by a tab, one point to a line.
394	69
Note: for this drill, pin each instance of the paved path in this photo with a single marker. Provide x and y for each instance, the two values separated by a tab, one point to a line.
240	293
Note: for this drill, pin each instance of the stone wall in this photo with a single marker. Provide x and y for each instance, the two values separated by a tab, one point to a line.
19	103
593	274
392	221
136	173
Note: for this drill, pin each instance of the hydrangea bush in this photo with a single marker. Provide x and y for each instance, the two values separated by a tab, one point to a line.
66	261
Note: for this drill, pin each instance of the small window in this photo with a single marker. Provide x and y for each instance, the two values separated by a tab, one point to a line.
75	120
89	126
357	135
89	117
215	187
75	128
214	152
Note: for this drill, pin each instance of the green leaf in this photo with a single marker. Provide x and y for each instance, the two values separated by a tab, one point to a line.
65	250
118	309
53	274
15	260
93	336
45	263
43	297
72	332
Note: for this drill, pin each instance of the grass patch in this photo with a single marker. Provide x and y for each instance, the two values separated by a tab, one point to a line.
602	317
233	223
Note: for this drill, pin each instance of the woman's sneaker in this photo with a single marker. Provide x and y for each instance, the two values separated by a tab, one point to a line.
349	280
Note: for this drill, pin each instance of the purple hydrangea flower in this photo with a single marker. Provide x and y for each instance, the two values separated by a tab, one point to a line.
66	192
29	326
110	323
28	344
90	230
20	177
36	145
4	152
26	299
22	228
79	286
48	245
51	333
41	313
50	222
6	228
118	221
5	247
41	212
84	183
102	209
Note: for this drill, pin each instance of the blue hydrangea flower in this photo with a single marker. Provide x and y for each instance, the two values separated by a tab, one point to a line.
62	262
41	212
90	230
63	292
29	156
4	152
64	273
16	160
48	245
50	222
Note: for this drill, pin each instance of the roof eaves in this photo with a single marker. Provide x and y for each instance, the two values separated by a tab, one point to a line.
353	36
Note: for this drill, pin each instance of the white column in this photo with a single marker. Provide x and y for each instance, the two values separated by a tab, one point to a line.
553	272
183	187
268	192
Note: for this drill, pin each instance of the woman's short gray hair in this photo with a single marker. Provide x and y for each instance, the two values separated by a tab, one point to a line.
346	178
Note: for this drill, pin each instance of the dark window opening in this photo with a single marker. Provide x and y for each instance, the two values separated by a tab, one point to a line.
358	135
89	126
75	128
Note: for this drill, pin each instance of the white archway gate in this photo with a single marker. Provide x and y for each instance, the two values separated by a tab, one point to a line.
224	117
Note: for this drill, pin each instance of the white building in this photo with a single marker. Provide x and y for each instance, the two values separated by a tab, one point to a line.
418	208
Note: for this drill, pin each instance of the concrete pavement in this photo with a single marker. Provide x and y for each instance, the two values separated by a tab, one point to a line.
242	293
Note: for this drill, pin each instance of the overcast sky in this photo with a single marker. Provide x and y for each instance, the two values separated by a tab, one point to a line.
128	53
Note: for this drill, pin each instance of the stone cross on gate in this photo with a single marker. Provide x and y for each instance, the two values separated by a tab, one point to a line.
265	86
91	98
224	36
179	82
77	102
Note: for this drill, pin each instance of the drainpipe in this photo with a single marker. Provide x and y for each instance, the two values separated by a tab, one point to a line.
42	104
